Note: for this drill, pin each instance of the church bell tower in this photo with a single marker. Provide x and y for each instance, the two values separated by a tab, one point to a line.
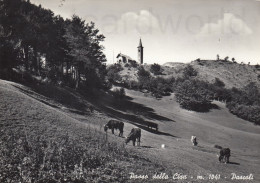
140	52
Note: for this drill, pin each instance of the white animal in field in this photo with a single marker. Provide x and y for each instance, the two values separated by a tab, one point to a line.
194	140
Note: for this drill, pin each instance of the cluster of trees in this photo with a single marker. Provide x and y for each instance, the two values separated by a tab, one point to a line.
131	63
113	73
158	86
226	59
194	95
245	103
37	42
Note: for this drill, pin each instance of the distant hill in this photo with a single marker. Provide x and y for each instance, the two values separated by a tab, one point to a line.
173	64
232	74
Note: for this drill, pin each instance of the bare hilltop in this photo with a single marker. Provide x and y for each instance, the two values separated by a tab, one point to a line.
232	74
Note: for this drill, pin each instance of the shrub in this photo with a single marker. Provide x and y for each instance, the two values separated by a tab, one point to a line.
226	58
221	94
161	86
142	73
133	63
131	84
250	113
157	94
119	93
115	68
143	78
245	103
114	77
113	73
189	71
193	104
156	69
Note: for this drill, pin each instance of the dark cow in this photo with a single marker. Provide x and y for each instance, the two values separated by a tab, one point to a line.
134	134
224	154
114	124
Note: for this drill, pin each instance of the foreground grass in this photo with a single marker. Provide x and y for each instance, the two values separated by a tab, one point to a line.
40	144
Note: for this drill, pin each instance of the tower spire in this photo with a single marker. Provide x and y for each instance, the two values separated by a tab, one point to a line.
140	43
140	52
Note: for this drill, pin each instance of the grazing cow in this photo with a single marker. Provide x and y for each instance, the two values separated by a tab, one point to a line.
224	154
114	124
152	125
194	140
134	134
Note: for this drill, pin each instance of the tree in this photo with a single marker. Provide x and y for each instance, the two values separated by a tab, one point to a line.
78	45
9	40
143	73
252	94
113	73
95	55
29	26
144	78
31	37
57	49
189	71
233	60
245	103
85	50
156	69
226	58
193	95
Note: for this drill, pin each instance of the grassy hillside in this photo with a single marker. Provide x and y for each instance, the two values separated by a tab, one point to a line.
232	74
218	126
43	140
49	135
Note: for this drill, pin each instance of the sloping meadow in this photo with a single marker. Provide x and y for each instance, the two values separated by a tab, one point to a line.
41	144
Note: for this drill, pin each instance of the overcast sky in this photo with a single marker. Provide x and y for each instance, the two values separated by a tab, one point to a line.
171	30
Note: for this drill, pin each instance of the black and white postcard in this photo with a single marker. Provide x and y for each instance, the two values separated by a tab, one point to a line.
129	91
